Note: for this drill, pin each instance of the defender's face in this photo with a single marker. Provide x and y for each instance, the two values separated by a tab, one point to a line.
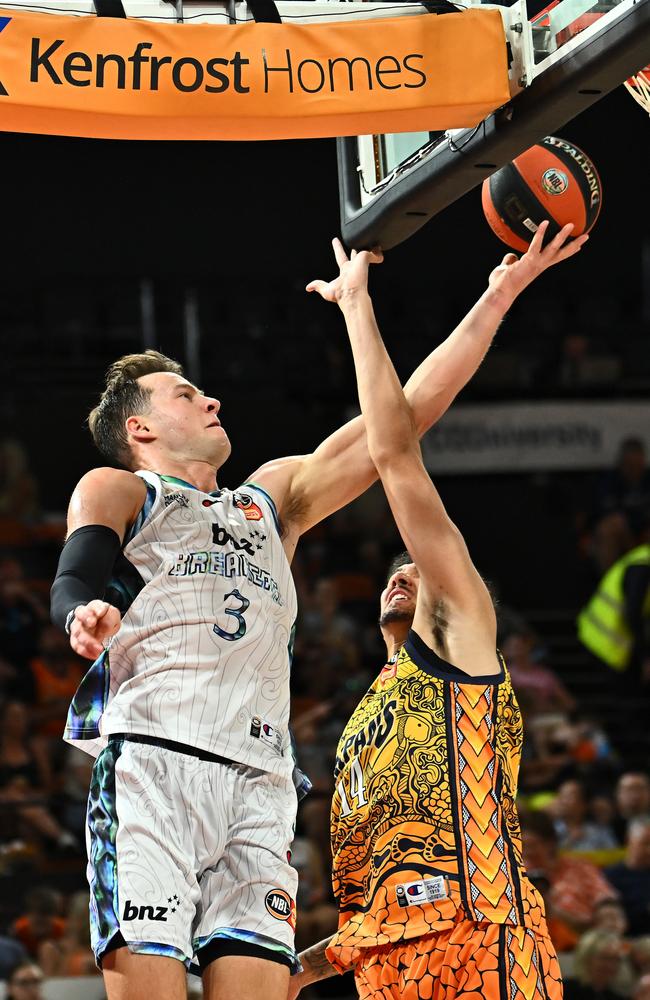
401	592
184	420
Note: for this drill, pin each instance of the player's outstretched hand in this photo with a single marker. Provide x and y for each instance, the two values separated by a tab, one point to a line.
514	273
353	274
92	627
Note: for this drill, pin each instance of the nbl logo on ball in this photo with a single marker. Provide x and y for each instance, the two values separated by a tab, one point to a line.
554	181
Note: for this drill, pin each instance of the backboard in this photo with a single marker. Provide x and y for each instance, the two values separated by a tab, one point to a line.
562	60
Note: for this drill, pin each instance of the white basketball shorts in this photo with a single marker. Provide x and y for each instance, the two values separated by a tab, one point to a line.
189	856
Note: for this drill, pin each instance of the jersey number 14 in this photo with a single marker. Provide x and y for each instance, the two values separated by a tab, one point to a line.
357	789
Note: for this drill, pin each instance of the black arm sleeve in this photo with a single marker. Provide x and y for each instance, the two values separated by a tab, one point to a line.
84	569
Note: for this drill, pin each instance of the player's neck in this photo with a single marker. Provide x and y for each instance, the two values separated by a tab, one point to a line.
202	475
394	637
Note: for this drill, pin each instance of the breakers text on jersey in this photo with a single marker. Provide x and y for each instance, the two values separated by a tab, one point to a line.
228	565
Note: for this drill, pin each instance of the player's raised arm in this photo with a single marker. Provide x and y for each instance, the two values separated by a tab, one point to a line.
435	545
308	488
103	505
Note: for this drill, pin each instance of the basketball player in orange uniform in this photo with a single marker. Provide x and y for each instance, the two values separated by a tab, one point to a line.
434	901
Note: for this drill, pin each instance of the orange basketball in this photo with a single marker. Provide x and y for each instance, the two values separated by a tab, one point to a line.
552	180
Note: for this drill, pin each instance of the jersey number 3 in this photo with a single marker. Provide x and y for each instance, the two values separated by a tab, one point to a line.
237	614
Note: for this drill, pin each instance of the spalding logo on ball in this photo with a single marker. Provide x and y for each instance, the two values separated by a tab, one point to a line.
552	180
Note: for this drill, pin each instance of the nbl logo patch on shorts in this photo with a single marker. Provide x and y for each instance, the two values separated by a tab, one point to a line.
426	890
281	906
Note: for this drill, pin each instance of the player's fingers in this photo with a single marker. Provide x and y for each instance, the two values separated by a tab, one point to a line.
560	239
538	238
353	255
316	286
99	608
339	252
86	645
510	258
377	255
85	617
571	248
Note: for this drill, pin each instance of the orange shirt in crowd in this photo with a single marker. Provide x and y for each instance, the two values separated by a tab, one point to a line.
52	687
24	932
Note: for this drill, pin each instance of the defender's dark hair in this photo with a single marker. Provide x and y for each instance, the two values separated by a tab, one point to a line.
403	559
121	399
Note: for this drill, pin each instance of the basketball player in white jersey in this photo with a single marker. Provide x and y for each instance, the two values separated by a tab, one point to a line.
182	595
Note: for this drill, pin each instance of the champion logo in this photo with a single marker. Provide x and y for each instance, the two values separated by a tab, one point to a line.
4	21
428	890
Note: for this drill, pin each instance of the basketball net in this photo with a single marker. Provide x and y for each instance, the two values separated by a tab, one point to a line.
639	87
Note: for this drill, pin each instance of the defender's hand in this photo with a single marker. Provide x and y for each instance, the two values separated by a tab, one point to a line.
294	987
92	627
353	274
515	273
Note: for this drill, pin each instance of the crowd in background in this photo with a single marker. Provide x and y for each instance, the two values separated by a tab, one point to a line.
584	786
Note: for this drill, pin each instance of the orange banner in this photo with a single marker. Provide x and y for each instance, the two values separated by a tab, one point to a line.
132	79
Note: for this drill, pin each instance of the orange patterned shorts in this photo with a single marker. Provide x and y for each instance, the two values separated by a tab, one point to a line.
469	962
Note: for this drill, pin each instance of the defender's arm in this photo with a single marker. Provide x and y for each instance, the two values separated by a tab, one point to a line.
310	487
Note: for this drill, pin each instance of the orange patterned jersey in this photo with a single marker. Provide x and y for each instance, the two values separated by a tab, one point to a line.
424	826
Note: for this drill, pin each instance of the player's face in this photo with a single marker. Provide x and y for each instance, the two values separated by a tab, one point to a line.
185	421
400	595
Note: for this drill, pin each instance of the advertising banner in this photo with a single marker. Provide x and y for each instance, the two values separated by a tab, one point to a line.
116	78
524	437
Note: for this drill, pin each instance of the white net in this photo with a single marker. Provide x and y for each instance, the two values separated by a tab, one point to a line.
639	87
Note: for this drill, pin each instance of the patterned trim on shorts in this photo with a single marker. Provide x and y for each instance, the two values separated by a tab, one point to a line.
102	867
279	952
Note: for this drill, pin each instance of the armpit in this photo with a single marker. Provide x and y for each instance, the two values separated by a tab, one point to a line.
294	513
440	624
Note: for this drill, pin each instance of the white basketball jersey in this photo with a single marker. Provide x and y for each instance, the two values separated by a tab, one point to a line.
203	654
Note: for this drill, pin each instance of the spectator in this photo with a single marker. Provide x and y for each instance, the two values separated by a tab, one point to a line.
598	960
12	954
57	674
18	489
22	614
575	886
574	831
25	982
642	991
317	915
71	955
41	921
24	779
73	799
640	955
631	878
615	624
558	749
622	504
609	915
543	692
540	689
632	802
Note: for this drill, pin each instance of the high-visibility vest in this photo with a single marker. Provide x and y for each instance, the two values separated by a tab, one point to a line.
602	627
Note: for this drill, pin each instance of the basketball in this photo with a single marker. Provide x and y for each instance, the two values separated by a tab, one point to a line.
552	180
